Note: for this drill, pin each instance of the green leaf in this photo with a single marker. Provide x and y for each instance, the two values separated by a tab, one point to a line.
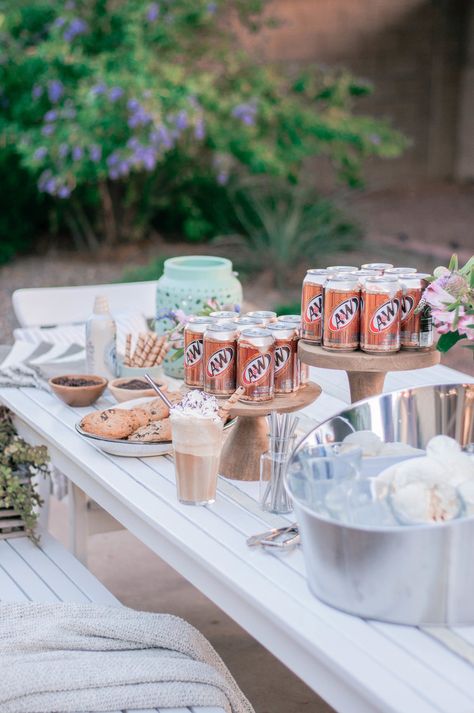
453	263
446	341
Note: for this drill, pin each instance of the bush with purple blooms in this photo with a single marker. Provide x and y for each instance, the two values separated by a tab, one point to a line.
129	113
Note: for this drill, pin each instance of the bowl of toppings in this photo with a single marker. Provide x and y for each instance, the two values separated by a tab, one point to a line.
78	389
128	388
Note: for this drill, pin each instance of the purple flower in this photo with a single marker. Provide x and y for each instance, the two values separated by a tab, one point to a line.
98	89
245	112
48	130
153	12
200	129
114	174
95	153
133	104
181	121
77	153
113	159
37	91
64	192
59	22
50	116
77	26
160	136
222	177
211	7
55	90
40	153
63	150
375	139
115	93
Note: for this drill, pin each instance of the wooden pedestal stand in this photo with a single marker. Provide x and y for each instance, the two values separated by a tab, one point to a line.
366	372
249	438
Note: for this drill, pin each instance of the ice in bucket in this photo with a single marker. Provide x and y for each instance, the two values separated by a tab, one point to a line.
196	429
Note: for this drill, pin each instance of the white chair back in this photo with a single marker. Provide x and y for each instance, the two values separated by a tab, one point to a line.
52	306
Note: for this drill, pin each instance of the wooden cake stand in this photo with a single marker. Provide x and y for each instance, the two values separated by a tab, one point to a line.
248	439
366	372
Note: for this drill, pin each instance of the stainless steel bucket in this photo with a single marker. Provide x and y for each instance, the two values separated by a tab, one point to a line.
408	575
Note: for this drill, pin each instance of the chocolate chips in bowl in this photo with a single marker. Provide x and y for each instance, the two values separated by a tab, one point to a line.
78	389
130	387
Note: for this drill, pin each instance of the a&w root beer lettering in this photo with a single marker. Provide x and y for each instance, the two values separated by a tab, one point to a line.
381	311
255	364
220	347
341	313
286	372
416	327
194	351
312	305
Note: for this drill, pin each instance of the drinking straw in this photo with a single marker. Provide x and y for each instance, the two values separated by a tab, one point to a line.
158	391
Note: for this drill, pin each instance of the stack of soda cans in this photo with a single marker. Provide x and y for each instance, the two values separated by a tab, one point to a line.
258	351
375	308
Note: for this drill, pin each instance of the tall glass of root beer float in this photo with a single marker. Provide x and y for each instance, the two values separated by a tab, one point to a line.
196	429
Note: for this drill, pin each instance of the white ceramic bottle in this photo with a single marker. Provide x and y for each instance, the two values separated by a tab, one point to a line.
101	340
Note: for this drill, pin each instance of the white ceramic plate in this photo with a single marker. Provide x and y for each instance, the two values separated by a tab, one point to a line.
132	449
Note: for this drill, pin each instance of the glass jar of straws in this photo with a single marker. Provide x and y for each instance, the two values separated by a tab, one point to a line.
273	463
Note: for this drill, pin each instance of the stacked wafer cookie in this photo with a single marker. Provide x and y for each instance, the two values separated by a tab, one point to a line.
150	350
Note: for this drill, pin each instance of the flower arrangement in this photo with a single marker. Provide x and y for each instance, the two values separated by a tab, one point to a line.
450	295
178	320
19	463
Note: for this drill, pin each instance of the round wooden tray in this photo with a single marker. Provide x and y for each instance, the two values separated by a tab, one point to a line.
248	439
366	372
286	403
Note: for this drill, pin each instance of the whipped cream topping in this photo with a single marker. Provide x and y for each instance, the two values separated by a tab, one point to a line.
198	405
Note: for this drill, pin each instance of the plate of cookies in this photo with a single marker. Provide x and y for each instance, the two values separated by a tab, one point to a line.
136	428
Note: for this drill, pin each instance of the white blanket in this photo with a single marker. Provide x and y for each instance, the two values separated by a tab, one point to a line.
86	657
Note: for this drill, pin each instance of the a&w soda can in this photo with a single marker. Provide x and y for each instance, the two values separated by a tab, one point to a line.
255	362
416	327
193	351
381	267
312	305
380	318
220	352
246	323
286	370
341	313
223	315
401	271
263	316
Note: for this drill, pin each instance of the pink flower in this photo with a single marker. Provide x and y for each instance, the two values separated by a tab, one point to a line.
181	316
436	296
465	326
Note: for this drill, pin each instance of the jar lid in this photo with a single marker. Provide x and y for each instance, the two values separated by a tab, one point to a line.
188	267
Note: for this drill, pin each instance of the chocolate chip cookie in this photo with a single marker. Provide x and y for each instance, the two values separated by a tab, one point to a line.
113	423
154	432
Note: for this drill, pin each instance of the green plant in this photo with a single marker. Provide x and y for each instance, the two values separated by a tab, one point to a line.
287	224
103	99
151	271
19	462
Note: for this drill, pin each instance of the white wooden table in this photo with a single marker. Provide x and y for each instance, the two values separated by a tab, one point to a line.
357	666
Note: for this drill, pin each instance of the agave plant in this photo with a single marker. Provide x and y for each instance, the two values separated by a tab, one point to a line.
287	225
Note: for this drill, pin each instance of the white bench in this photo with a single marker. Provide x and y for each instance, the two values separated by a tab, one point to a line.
49	574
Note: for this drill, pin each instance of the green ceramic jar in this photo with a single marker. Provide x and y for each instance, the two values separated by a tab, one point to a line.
188	283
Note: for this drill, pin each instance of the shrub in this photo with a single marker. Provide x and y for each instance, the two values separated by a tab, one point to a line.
102	101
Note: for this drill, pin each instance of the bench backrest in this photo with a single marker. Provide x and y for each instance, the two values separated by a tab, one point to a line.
51	306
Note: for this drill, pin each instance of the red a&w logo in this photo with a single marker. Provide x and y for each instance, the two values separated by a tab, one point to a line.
220	361
282	356
344	314
193	354
408	304
256	369
385	316
314	309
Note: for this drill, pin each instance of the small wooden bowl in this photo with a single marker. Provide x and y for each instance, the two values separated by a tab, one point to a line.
121	394
78	395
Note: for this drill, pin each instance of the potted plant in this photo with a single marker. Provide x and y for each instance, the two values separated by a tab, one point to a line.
19	463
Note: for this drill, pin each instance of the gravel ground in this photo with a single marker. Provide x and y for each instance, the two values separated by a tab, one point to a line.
414	227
